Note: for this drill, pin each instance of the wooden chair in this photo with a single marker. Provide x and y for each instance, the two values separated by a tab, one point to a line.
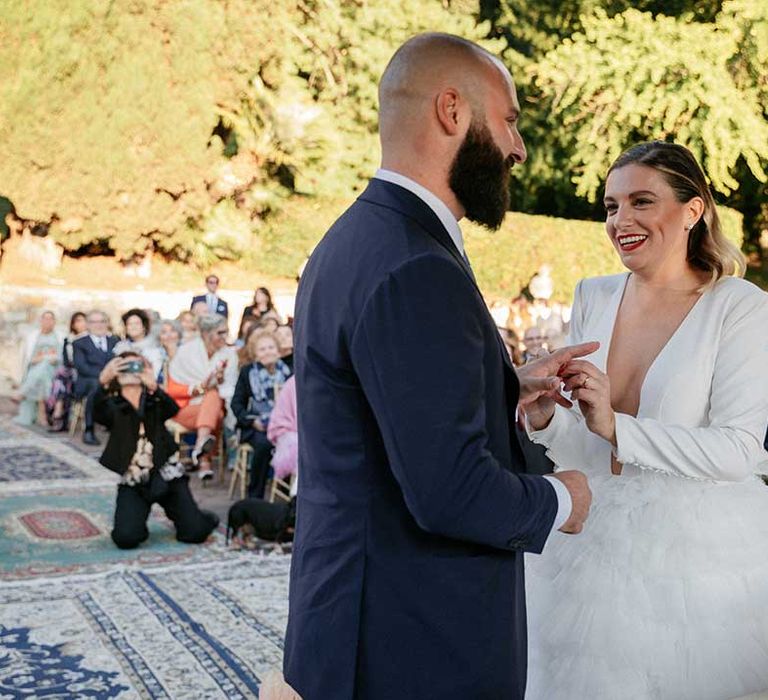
279	488
241	470
179	431
76	416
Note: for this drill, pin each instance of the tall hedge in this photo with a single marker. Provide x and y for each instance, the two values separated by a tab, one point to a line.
503	261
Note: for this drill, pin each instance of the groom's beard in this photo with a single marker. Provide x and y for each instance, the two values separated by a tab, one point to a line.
480	177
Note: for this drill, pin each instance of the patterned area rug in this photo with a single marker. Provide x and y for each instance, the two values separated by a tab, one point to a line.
30	462
59	532
202	631
80	618
56	509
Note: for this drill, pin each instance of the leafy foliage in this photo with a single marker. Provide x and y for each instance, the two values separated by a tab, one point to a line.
132	124
631	78
504	261
204	130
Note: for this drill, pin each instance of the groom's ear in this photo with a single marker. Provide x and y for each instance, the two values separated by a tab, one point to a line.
451	110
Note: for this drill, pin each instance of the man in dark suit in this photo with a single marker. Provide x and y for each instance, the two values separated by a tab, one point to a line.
215	304
90	354
414	509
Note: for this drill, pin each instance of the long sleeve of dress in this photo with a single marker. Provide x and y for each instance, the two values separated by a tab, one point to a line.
730	448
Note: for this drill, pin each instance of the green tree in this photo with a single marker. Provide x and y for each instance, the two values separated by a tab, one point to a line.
632	77
142	126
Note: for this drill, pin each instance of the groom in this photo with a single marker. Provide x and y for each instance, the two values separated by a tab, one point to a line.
414	508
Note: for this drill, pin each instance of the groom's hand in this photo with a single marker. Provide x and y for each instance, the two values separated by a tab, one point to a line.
540	382
581	499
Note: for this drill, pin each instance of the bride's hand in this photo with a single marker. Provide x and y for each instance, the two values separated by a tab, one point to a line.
540	383
592	389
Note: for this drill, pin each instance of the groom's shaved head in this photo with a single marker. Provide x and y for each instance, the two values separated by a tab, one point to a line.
448	113
425	65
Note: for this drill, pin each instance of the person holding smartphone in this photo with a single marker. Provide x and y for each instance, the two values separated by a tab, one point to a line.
133	408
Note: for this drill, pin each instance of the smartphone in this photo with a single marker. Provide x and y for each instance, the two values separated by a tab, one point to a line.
133	367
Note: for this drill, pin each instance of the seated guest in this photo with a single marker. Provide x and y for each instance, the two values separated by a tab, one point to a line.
170	339
269	324
188	322
39	360
246	327
60	398
535	342
257	388
142	451
90	355
283	433
138	338
213	302
201	379
261	308
199	308
154	323
284	338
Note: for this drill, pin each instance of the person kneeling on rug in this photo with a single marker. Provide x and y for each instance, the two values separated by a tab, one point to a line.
134	409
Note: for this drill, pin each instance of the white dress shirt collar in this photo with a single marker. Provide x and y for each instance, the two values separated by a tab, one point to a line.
447	219
100	341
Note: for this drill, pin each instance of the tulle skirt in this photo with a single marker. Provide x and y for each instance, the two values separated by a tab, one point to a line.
664	595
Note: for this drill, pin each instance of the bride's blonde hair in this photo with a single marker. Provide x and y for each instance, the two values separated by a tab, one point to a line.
708	248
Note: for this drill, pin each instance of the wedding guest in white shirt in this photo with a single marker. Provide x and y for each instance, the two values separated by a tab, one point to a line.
215	304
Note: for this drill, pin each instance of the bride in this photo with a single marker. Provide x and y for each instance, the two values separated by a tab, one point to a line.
665	595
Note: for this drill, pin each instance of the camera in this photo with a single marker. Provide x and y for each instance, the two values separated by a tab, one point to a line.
133	367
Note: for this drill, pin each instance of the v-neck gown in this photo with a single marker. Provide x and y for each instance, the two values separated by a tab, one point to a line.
665	593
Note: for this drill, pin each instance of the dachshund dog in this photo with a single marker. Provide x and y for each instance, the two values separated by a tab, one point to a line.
251	517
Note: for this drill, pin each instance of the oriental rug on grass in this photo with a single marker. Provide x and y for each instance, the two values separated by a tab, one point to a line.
56	511
187	631
80	618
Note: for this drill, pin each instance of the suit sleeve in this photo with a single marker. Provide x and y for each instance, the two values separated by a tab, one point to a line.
78	359
83	364
418	349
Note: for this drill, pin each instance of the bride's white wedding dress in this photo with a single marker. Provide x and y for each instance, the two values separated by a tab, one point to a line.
665	593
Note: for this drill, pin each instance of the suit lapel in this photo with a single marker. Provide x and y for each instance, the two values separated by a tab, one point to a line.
392	196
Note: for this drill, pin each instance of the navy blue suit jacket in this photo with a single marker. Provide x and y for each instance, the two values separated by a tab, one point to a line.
89	360
221	305
413	508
